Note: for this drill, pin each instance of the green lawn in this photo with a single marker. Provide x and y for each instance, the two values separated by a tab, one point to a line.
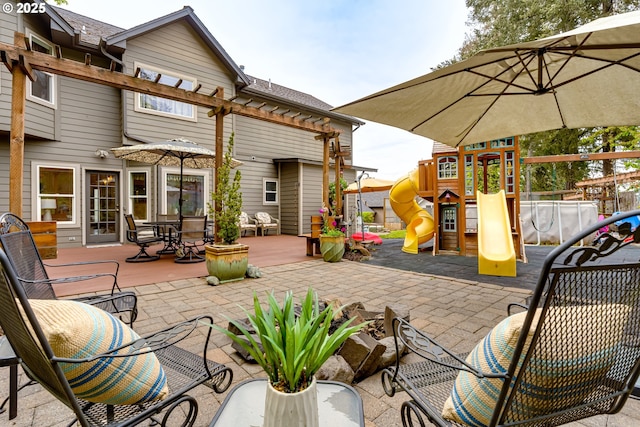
396	234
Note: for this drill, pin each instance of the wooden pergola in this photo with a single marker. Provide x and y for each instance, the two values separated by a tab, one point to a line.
21	60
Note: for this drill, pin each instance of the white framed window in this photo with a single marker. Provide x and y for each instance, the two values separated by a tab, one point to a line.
270	191
55	193
138	192
447	167
161	106
195	191
43	90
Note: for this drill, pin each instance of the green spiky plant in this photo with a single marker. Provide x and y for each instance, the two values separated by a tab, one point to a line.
293	347
228	196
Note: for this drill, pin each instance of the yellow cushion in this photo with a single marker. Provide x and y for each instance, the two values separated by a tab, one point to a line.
473	400
78	330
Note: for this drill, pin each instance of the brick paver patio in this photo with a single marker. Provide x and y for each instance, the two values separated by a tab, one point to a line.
457	312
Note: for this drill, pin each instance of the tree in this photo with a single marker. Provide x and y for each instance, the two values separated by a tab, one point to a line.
501	22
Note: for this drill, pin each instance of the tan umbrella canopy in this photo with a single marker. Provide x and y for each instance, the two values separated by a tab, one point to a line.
586	77
175	152
368	185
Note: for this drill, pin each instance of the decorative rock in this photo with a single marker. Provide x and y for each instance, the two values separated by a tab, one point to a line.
388	358
213	280
336	369
391	312
370	365
253	272
354	351
242	352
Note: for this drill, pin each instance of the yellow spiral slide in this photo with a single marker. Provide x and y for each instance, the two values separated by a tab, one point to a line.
420	224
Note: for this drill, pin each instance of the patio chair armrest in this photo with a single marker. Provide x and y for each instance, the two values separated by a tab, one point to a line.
115	264
116	304
513	305
75	279
152	342
416	341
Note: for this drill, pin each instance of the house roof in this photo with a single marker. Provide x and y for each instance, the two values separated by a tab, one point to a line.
440	148
88	33
88	30
268	88
374	199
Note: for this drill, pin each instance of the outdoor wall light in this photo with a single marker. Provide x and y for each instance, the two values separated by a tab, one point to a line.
103	154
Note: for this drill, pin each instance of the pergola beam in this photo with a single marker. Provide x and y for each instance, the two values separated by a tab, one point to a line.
20	60
78	70
609	155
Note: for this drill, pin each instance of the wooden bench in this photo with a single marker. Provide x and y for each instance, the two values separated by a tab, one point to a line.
311	243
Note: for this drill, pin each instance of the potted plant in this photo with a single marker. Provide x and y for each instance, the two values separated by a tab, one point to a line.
227	261
291	348
331	238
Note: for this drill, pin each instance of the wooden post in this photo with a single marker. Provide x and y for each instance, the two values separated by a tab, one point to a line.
325	171
219	156
337	164
16	139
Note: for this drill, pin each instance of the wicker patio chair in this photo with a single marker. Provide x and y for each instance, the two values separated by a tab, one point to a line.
266	222
18	243
573	354
247	224
59	343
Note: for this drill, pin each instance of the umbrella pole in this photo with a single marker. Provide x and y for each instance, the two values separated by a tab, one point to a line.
180	192
360	206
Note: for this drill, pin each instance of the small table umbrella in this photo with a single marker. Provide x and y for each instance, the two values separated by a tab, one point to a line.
175	152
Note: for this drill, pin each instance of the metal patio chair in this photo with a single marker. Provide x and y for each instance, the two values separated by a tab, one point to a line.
18	243
192	234
33	330
167	227
143	237
573	354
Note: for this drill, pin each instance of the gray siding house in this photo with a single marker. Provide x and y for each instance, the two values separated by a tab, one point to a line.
70	175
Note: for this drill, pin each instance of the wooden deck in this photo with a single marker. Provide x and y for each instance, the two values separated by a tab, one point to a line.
264	251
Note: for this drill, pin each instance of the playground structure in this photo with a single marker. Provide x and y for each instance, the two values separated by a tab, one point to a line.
457	182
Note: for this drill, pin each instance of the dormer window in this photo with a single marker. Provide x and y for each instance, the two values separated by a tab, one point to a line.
161	106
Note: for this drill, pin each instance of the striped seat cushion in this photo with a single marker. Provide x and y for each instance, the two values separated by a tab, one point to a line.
473	400
78	330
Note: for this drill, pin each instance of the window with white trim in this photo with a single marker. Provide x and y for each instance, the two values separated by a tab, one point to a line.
42	90
161	106
56	195
195	191
270	191
447	167
139	194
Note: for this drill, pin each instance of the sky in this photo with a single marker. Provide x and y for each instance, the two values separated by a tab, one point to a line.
335	50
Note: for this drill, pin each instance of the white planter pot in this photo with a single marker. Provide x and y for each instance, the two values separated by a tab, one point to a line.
291	409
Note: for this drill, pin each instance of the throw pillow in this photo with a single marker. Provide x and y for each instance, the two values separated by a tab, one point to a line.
78	330
473	400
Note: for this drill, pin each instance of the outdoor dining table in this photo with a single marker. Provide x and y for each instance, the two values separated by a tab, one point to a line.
339	405
171	227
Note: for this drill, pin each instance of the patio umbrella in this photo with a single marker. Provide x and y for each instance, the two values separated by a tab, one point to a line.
175	152
369	185
586	77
